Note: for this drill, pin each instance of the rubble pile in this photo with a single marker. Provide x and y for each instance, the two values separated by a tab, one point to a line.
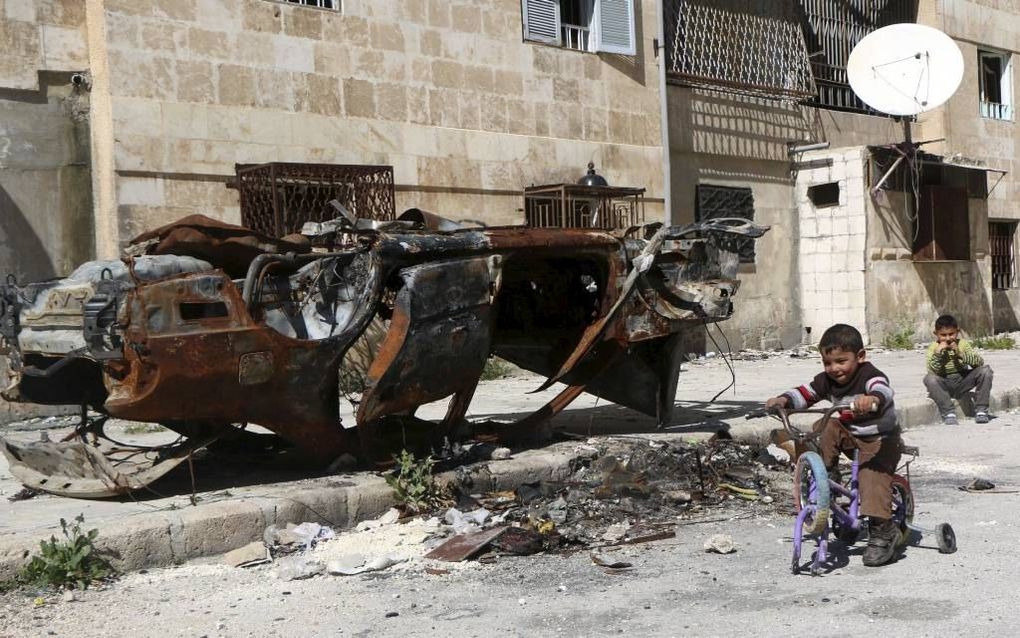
620	491
626	490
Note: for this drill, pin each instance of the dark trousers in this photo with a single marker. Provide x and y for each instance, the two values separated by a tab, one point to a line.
943	390
878	459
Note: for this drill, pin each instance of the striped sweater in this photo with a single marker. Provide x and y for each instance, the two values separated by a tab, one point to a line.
951	361
867	380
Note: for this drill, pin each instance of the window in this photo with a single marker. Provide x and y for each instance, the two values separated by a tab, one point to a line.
319	4
713	202
995	78
942	231
583	25
823	195
1001	237
831	29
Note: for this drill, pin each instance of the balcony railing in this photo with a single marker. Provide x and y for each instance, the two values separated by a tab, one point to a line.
575	37
996	111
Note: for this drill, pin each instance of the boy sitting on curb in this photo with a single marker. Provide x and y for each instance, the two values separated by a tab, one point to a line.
954	369
870	426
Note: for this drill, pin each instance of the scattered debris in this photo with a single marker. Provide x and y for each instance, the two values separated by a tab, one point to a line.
298	568
343	567
252	554
23	494
609	564
464	546
978	485
465	523
501	454
720	544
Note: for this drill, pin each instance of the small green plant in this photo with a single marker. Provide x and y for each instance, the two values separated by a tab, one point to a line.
71	562
901	338
998	342
413	484
495	368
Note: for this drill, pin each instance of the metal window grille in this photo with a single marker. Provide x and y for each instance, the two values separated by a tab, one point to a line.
713	202
1001	237
318	4
831	29
744	46
278	198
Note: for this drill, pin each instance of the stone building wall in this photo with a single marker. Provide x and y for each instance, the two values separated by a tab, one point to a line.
831	251
446	92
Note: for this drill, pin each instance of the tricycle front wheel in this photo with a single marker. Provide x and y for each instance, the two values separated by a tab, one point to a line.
811	487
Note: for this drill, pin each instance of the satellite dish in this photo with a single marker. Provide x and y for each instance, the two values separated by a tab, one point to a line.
905	69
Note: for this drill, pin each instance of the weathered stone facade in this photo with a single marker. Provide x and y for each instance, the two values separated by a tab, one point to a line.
447	93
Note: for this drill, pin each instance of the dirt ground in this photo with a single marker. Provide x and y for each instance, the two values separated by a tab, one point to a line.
674	588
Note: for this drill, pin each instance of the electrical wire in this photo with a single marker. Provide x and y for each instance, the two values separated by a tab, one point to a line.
725	356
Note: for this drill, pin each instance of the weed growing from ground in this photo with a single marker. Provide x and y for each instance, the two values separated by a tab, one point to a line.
68	563
413	483
902	338
1000	342
495	368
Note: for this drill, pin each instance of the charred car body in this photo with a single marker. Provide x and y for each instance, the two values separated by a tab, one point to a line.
327	339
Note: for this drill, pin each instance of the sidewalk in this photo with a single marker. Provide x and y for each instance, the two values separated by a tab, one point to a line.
234	510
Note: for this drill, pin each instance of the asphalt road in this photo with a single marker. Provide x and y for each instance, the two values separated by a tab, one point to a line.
673	589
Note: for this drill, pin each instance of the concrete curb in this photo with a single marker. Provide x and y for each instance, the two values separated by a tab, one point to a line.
172	537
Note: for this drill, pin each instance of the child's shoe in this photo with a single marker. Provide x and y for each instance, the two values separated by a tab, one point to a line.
881	542
950	419
982	417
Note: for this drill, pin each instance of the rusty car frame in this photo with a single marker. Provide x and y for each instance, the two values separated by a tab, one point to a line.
330	338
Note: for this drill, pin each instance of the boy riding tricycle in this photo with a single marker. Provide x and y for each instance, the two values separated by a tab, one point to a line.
861	424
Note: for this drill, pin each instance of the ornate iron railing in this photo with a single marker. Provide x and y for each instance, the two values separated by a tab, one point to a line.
743	46
279	197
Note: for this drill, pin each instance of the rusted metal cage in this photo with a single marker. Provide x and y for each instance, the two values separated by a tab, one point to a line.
279	197
580	206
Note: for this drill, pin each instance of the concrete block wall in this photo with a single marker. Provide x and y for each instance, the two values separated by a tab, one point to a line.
832	241
448	93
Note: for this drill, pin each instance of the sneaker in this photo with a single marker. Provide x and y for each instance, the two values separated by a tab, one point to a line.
950	419
982	417
881	542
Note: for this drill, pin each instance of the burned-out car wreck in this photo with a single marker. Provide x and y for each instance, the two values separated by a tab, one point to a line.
333	339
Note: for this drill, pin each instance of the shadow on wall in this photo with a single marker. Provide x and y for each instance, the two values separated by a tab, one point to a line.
22	252
956	288
631	66
750	128
1004	305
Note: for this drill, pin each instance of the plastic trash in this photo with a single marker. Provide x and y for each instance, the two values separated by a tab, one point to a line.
298	568
310	533
465	522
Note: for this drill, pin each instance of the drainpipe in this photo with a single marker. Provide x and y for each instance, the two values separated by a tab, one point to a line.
660	54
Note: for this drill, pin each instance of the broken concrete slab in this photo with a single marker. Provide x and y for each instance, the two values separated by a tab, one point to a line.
254	553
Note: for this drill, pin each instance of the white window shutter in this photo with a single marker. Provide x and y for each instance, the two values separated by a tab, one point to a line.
614	26
541	20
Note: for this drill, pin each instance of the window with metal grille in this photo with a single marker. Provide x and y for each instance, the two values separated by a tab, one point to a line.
318	4
749	47
995	79
1001	237
831	29
713	202
582	25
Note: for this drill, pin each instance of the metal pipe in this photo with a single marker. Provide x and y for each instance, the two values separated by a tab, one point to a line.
667	176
